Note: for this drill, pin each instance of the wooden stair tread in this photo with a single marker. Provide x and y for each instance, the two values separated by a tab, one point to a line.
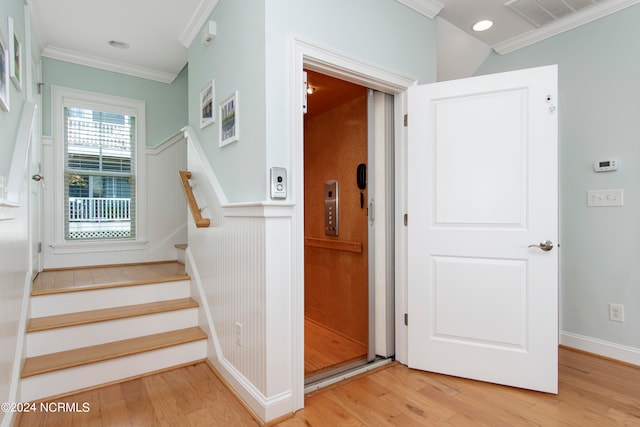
111	276
98	353
94	316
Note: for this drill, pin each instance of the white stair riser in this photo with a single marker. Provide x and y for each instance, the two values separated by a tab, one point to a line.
68	338
82	377
72	302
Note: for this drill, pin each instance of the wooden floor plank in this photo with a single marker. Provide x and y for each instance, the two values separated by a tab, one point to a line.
325	349
396	396
97	353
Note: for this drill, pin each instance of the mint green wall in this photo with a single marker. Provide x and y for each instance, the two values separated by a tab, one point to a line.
166	104
599	106
235	60
9	120
251	54
384	33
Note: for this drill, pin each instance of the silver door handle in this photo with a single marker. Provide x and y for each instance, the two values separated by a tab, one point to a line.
37	177
545	246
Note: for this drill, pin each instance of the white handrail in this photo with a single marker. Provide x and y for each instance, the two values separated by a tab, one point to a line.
19	162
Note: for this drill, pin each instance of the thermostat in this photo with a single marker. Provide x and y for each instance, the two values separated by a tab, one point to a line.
605	165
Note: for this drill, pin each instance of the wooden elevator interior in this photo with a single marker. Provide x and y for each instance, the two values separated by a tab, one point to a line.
336	267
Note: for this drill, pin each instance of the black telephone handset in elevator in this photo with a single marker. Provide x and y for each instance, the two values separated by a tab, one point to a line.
361	178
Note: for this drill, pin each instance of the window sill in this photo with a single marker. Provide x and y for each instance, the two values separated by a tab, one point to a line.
97	246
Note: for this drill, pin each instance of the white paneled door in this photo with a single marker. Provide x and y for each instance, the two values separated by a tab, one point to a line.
483	202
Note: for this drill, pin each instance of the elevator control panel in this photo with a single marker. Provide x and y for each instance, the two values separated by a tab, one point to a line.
278	183
331	208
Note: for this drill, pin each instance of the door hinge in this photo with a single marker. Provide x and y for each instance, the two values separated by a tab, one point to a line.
305	86
406	219
406	319
40	247
406	120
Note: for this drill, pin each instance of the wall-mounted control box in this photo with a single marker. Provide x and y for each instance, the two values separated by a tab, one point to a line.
331	208
605	165
278	183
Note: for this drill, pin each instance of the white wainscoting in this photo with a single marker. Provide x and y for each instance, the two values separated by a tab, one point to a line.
165	221
241	269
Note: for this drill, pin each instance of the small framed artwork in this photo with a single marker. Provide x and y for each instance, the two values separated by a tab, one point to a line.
4	76
15	55
207	101
229	125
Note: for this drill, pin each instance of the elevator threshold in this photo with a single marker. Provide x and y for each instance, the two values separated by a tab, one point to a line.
342	373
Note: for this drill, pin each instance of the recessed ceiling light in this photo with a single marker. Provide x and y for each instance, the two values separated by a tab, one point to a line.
119	45
482	25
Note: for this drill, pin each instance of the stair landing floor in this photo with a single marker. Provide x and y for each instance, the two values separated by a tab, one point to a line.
73	279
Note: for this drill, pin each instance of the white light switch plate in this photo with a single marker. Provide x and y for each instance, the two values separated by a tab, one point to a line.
605	197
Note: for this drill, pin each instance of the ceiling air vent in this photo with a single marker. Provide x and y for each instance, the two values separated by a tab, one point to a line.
542	12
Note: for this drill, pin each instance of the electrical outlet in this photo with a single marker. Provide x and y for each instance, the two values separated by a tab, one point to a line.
616	312
238	333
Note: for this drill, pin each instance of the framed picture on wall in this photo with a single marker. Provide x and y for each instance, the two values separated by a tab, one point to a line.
207	101
229	125
4	76
15	56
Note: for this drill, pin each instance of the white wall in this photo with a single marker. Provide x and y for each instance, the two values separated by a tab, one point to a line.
599	106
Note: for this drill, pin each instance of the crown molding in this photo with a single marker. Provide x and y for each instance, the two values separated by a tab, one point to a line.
74	57
200	16
575	20
429	8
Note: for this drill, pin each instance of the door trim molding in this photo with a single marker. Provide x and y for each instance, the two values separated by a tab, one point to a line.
305	54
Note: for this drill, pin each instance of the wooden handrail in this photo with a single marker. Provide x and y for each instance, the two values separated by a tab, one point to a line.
336	245
193	205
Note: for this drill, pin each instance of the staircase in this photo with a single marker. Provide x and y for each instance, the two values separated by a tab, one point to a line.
82	336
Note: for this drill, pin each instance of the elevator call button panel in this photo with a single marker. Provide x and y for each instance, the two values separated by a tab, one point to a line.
331	208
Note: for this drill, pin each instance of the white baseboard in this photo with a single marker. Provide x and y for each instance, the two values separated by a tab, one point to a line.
601	348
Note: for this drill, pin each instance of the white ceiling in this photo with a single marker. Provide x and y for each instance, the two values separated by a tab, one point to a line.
159	31
526	21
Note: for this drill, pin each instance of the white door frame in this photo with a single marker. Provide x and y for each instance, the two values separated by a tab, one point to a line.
317	58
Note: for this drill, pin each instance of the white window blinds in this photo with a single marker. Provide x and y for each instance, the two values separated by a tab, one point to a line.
100	175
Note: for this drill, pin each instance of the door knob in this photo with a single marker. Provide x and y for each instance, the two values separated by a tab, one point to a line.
37	177
545	246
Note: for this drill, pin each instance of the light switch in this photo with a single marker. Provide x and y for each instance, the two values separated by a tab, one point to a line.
605	197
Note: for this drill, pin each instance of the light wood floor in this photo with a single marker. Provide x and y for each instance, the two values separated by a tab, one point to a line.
593	392
51	281
325	349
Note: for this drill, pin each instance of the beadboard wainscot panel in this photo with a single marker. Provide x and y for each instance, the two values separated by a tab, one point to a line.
241	270
166	220
15	285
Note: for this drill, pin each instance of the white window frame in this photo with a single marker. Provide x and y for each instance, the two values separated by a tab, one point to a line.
67	97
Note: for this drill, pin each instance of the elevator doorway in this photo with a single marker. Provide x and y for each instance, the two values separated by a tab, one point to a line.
339	257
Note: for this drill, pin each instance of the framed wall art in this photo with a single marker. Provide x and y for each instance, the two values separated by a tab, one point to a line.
4	76
207	101
229	124
15	57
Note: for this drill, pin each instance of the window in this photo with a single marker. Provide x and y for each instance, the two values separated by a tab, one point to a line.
100	150
100	167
